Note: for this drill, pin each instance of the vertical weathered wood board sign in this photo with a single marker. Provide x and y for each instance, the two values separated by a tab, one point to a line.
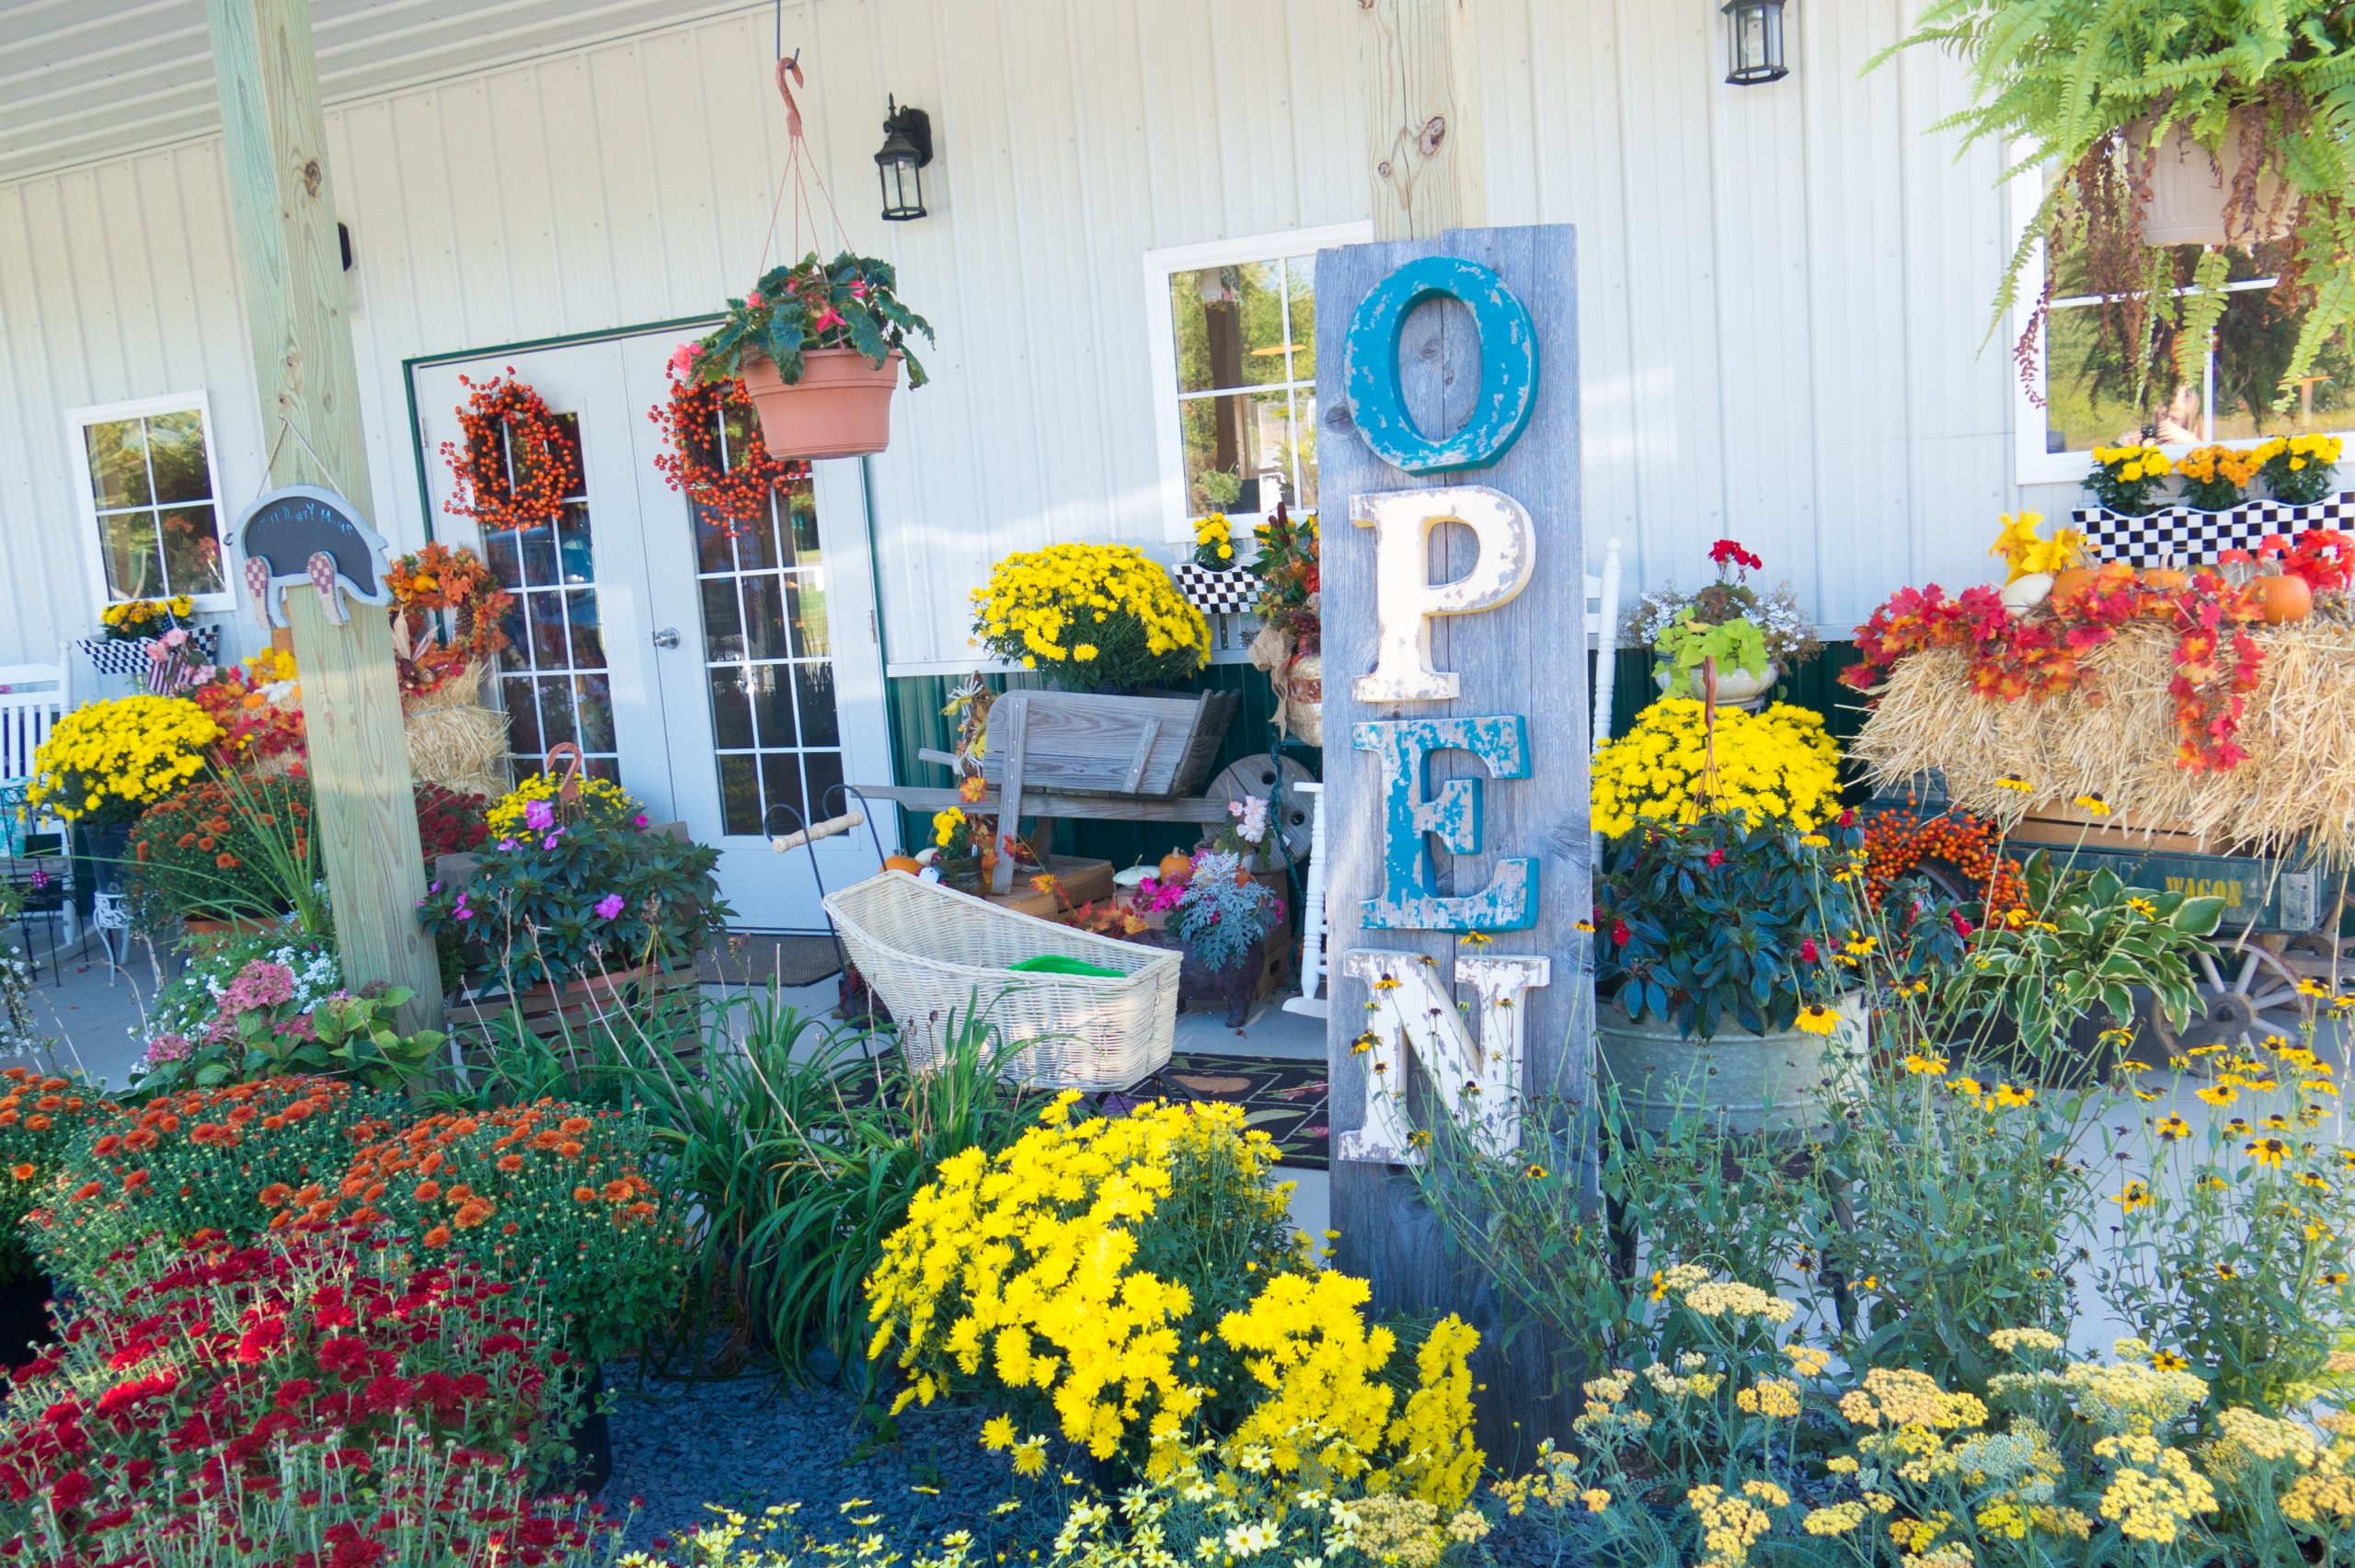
1455	750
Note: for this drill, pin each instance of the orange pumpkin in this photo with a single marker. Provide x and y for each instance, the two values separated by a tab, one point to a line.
2068	586
1176	867
2284	598
902	862
2166	579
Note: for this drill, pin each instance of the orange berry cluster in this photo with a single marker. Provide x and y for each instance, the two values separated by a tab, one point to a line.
1899	842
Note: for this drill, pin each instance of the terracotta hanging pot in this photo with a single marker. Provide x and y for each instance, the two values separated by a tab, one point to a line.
840	407
2191	191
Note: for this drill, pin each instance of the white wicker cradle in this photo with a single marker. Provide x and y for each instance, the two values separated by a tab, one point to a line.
928	950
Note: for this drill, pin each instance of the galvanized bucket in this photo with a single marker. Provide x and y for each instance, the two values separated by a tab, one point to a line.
1776	1084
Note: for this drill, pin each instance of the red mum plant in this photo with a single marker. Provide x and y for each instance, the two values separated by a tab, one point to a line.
230	1403
233	1162
552	1190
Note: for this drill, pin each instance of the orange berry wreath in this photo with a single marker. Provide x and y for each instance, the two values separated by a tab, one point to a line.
516	463
734	483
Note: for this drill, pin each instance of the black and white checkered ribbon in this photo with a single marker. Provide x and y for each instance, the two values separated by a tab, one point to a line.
1230	592
113	658
2185	537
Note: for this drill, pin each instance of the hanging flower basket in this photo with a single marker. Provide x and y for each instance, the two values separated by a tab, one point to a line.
840	407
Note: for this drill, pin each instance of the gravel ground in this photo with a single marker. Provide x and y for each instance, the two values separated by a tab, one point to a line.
745	1443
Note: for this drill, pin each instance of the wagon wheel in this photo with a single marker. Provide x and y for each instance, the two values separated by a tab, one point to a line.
2245	994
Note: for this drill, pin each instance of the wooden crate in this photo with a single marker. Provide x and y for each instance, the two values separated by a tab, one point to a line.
1082	881
2061	826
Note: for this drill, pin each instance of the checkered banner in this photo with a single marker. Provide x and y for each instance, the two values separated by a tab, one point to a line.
1228	592
2191	538
113	657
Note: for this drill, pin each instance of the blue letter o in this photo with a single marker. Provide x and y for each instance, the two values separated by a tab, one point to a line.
1508	366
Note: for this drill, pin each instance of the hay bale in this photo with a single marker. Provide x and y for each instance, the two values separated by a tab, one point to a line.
454	739
2115	737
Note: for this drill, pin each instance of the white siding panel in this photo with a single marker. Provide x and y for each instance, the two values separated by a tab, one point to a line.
1782	287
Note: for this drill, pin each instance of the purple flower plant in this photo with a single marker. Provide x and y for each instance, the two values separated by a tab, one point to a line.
609	906
539	816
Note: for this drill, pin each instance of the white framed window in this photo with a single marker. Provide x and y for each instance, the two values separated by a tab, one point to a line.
150	500
1232	325
2075	398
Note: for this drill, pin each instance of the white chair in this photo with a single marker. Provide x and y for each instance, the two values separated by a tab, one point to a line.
32	698
1602	633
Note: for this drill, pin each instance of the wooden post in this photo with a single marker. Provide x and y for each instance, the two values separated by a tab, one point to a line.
1522	656
1419	66
283	209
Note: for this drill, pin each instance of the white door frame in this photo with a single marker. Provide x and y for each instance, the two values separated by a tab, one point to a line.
647	582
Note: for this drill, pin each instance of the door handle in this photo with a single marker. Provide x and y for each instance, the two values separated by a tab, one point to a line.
667	637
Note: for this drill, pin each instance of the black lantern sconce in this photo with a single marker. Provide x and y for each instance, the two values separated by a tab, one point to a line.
907	147
1755	43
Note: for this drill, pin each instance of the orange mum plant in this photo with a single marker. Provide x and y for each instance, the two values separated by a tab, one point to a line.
550	1190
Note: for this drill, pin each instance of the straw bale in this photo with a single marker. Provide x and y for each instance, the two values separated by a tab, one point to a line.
454	740
2115	737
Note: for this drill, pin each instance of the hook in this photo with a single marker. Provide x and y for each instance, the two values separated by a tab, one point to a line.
792	110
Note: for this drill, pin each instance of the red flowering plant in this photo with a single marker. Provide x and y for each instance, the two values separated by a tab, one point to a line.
43	1117
258	707
223	849
232	1162
229	1403
450	821
550	1190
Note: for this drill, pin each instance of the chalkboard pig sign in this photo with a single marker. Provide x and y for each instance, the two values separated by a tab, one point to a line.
303	533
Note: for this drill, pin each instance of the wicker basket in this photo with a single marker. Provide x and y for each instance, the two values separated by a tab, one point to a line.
928	951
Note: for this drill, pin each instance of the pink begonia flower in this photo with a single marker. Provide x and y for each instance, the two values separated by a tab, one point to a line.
683	359
539	816
859	288
752	299
638	820
830	316
609	906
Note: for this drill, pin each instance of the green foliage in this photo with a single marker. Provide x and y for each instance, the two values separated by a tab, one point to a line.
338	1037
1688	641
1223	911
1716	923
584	896
851	301
2078	84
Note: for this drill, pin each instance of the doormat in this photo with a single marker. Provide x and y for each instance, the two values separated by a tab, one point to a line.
752	958
1283	1097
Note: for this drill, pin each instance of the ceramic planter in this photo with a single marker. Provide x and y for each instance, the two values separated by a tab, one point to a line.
1736	688
840	407
1774	1084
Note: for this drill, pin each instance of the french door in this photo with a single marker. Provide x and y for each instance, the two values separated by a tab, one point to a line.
729	678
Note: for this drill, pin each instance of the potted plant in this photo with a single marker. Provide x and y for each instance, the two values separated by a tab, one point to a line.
1289	645
1095	617
1215	543
2298	469
107	761
1718	972
1754	638
136	620
957	849
817	347
575	904
1221	920
2167	125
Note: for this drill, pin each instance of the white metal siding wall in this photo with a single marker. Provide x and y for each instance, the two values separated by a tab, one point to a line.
1782	287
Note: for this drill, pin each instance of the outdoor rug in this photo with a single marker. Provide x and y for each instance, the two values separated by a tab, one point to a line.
1284	1098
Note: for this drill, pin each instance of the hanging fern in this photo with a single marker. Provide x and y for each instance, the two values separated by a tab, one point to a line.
2085	87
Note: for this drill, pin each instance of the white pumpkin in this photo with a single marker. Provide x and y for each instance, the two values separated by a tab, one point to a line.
2023	594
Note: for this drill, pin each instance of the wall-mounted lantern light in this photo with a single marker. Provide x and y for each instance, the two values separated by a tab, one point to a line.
907	147
1755	43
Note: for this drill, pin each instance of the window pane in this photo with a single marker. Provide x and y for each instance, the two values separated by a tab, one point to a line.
135	556
192	550
118	452
587	636
538	544
1230	325
556	710
813	689
523	719
1303	435
773	704
824	770
740	794
712	553
1300	280
763	619
801	516
805	601
2253	341
575	557
723	635
781	785
175	453
732	714
596	700
2088	392
1216	444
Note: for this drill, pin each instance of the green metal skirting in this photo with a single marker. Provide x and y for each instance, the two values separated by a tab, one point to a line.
917	724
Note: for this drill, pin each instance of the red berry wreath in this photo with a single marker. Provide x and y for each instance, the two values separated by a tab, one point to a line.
737	494
543	457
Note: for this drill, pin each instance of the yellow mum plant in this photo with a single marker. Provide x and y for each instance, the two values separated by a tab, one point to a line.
106	763
1097	616
1776	766
1118	1282
601	799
